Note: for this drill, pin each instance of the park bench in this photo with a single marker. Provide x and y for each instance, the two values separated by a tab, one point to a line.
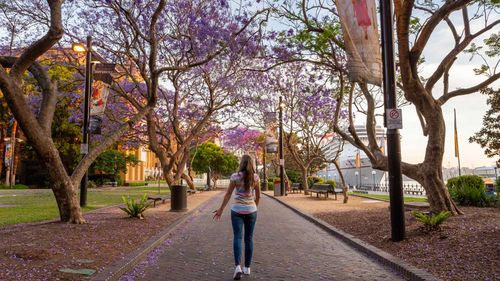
156	198
323	189
191	191
335	190
112	183
296	187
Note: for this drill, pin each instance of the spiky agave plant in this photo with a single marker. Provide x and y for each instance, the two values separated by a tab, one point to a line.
432	221
135	209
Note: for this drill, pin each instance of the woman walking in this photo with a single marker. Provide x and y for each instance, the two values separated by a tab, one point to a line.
243	211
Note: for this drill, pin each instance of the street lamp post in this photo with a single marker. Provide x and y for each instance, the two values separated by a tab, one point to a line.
78	47
373	176
393	142
264	171
282	160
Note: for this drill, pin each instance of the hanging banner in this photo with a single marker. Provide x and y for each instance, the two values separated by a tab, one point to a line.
360	30
8	155
271	126
100	92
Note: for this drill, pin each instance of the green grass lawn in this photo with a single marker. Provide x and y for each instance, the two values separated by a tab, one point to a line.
386	197
19	206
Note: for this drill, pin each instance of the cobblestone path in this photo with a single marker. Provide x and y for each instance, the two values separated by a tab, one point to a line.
286	247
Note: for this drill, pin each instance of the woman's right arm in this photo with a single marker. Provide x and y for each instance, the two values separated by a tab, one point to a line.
229	191
257	192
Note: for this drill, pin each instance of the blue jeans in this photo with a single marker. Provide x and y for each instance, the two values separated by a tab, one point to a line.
238	221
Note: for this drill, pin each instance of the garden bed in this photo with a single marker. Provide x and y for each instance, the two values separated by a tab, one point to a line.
37	251
466	248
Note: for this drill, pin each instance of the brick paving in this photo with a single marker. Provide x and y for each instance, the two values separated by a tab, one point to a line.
286	247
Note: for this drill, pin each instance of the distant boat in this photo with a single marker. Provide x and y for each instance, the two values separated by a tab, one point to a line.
363	176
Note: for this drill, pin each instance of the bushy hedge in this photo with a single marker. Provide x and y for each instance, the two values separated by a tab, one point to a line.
293	176
314	179
469	180
101	179
470	191
332	182
497	184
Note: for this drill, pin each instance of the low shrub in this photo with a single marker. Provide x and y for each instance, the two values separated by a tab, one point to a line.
91	184
135	209
332	182
17	186
138	183
270	186
432	221
470	191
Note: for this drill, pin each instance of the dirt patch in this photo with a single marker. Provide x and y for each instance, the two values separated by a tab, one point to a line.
466	248
38	251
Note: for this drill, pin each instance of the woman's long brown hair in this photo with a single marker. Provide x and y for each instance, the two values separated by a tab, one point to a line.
248	170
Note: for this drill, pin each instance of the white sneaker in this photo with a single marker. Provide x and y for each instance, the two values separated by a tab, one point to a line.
237	273
246	270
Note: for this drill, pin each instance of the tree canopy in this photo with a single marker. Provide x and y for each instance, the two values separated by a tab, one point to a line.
489	135
211	157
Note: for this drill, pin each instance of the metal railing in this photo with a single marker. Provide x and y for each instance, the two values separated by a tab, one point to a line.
408	189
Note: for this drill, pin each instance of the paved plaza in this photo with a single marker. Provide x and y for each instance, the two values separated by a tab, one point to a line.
286	247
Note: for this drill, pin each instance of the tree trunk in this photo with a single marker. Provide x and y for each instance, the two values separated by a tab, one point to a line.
438	195
67	202
345	188
431	169
214	180
188	180
304	181
3	133
62	187
15	162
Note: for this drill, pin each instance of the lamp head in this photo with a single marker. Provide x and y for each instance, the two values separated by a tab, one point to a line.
78	47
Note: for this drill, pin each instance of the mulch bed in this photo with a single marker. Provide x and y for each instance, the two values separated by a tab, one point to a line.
37	251
466	248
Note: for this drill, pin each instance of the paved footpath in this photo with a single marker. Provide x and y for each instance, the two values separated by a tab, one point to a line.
286	247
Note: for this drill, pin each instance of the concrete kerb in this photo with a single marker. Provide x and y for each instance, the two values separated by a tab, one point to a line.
408	271
127	263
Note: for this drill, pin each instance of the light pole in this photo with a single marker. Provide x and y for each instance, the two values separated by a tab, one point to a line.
393	142
78	47
356	174
264	184
373	176
282	159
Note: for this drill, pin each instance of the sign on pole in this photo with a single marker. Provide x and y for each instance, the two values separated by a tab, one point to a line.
271	126
394	118
360	32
